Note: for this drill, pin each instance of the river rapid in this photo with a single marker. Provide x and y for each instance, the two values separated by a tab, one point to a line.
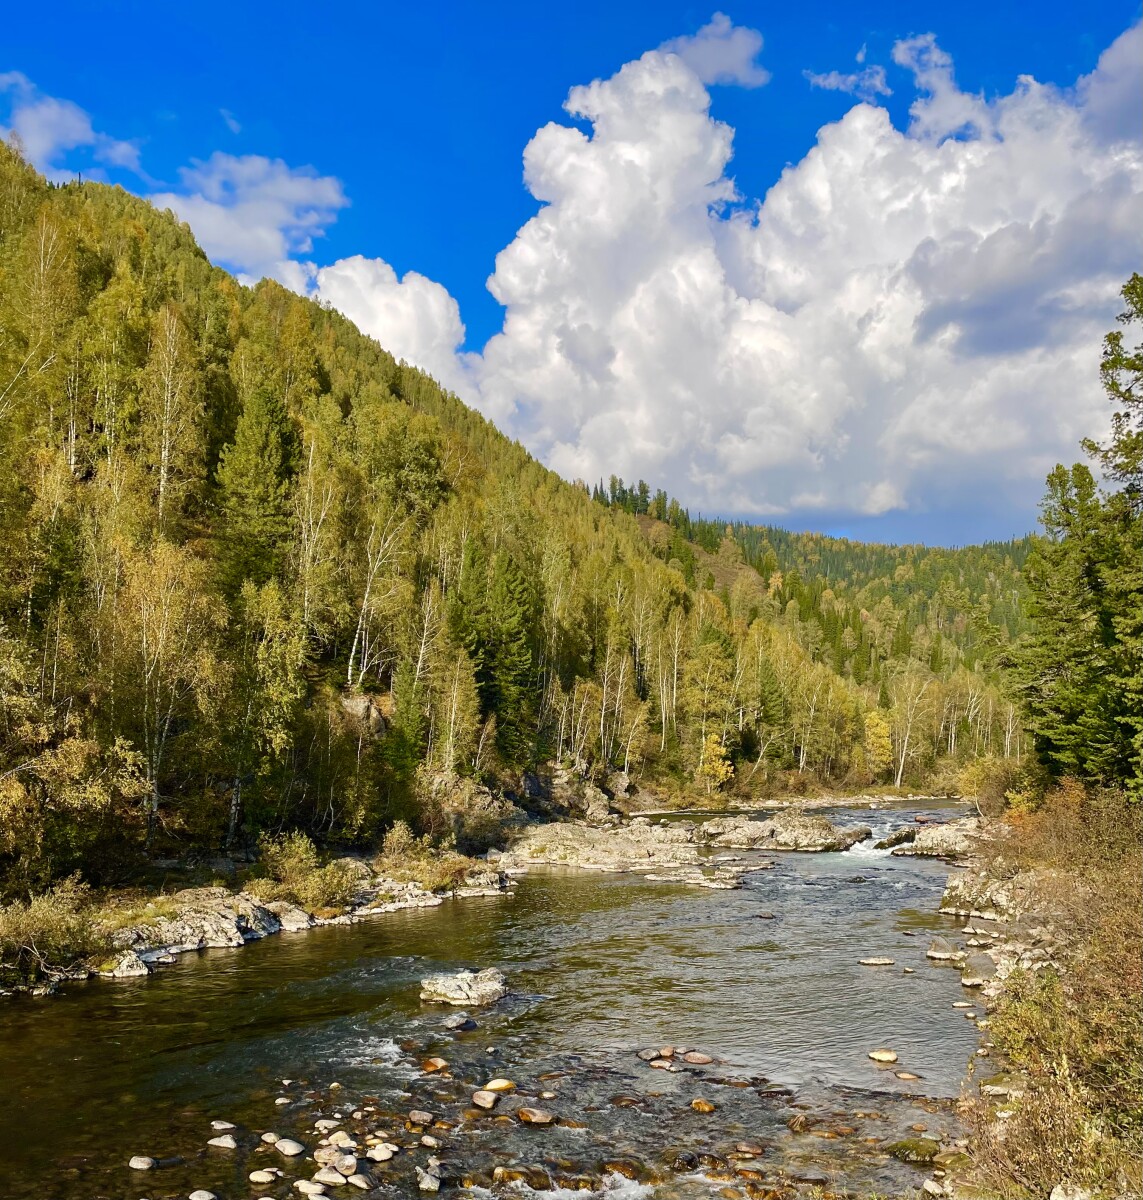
765	979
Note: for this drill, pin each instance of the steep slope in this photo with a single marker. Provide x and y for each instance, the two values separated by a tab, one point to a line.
257	575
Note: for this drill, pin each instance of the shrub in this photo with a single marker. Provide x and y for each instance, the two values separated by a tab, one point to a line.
1077	1035
294	872
409	859
50	934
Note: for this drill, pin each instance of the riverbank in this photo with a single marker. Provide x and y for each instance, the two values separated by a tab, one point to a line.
765	979
1053	951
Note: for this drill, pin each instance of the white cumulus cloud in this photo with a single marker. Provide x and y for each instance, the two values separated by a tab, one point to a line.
256	214
722	52
50	128
908	320
414	318
866	84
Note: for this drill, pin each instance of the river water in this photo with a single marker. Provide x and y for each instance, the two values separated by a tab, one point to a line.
765	979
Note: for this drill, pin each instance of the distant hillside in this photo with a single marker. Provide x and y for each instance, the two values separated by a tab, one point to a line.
257	575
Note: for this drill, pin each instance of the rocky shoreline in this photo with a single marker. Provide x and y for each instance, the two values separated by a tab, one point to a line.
215	918
675	850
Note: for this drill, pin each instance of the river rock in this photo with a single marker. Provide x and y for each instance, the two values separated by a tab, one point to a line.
459	1023
224	1141
428	1181
202	1194
535	1116
125	966
702	1106
142	1162
942	950
899	837
978	969
330	1176
485	1099
309	1188
432	1065
465	987
697	1059
499	1085
364	1182
420	1116
261	1177
269	1138
346	1164
382	1153
875	962
289	1147
222	1126
920	1150
953	839
883	1056
787	830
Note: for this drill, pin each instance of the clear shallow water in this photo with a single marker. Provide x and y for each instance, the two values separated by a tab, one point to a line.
601	966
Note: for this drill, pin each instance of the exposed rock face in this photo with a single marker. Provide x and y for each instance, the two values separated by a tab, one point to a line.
788	830
955	839
899	837
465	987
207	917
635	846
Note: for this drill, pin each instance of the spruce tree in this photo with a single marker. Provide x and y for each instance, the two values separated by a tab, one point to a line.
254	475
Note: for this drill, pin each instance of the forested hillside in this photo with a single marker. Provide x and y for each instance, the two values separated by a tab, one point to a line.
256	575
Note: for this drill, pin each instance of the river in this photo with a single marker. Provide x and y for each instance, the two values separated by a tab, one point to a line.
765	979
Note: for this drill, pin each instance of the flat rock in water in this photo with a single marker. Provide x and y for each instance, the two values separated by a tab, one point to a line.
465	987
941	950
330	1176
202	1194
978	969
697	1059
222	1126
485	1099
141	1162
702	1106
431	1065
459	1023
876	962
499	1085
420	1116
535	1116
289	1147
883	1056
224	1141
261	1177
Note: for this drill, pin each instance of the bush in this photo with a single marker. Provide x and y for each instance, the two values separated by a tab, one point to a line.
1077	1035
409	859
50	934
294	872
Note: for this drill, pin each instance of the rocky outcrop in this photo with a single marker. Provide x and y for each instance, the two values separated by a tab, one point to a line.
468	988
636	846
788	830
899	837
213	917
953	839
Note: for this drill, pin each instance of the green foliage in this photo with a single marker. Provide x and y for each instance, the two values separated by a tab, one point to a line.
257	575
294	871
1080	671
49	934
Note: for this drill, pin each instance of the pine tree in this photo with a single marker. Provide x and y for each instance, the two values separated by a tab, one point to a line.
254	477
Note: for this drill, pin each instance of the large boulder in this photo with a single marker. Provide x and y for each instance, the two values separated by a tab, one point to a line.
636	846
465	987
953	839
790	829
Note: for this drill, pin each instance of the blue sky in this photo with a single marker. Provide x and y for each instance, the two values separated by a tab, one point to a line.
423	112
